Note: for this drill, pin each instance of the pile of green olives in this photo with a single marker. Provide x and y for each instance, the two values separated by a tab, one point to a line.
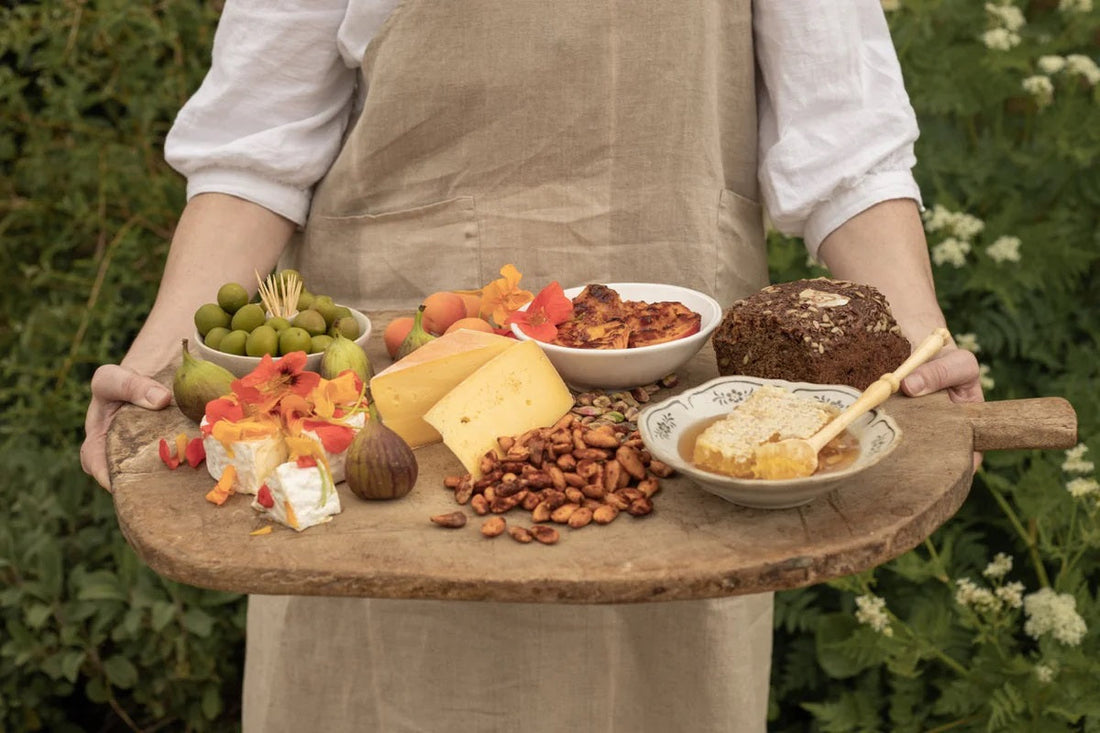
238	324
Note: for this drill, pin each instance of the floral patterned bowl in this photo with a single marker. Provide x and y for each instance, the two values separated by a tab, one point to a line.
665	425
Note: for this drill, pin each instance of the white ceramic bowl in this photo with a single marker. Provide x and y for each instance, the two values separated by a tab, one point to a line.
623	368
663	425
242	365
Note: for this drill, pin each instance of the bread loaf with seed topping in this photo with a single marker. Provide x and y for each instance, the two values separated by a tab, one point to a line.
819	330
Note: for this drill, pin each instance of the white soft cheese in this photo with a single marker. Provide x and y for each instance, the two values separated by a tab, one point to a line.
337	462
307	493
253	459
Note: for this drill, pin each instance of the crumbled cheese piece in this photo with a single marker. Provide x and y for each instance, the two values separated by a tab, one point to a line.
300	497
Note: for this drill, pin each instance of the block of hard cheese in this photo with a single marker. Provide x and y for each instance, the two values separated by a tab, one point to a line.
405	390
517	390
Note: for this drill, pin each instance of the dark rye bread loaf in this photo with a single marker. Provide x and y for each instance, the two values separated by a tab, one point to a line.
821	331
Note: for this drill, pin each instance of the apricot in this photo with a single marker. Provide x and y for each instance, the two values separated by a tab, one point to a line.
472	324
395	333
441	310
473	303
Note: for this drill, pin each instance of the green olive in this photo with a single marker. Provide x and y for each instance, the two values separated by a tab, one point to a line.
232	297
233	342
214	336
262	340
347	327
208	316
323	304
248	318
294	339
317	344
313	322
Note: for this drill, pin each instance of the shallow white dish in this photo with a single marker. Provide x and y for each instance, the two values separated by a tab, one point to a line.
623	368
242	365
663	425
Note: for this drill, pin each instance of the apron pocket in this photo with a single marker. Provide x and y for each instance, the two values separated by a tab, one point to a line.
742	262
392	260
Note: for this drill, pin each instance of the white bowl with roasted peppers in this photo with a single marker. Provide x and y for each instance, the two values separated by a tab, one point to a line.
633	366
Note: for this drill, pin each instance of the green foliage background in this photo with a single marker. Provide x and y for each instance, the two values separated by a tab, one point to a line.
92	639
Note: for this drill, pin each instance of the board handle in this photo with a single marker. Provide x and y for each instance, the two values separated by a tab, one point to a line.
1039	422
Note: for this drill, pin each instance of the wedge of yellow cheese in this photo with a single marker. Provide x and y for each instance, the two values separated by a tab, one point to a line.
408	388
517	390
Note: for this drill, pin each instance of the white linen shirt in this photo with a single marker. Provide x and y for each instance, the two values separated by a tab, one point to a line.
836	129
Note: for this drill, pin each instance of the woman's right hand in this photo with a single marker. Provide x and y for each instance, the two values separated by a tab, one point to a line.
112	387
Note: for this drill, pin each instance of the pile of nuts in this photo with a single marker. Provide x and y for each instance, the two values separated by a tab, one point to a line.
573	473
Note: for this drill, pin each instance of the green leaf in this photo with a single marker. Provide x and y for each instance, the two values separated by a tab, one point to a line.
198	622
211	702
120	672
163	613
101	585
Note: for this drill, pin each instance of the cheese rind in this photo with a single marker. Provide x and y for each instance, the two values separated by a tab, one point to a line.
516	391
408	388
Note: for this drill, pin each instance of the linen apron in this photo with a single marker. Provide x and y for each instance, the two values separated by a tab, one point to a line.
583	141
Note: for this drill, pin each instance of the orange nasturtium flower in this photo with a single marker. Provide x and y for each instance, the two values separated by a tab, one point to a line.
549	308
272	380
224	488
502	297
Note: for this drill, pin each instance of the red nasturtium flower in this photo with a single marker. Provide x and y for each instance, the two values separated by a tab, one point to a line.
180	450
549	308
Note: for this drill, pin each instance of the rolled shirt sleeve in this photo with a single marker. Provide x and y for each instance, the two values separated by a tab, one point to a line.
836	126
270	116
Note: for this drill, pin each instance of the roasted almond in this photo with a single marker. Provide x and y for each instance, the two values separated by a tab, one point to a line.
453	520
520	534
479	504
580	518
544	534
631	461
493	526
605	514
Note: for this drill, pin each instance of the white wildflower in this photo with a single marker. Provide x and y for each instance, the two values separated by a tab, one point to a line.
1083	66
984	377
1044	672
937	218
1000	39
967	593
956	223
1075	460
966	226
999	568
1051	64
1055	614
1081	487
1041	89
952	251
1008	16
1011	594
1075	6
1005	249
968	342
871	610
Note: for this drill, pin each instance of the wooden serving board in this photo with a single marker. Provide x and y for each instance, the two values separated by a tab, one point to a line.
694	545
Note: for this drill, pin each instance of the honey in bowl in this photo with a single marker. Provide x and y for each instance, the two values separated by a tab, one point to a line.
727	444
